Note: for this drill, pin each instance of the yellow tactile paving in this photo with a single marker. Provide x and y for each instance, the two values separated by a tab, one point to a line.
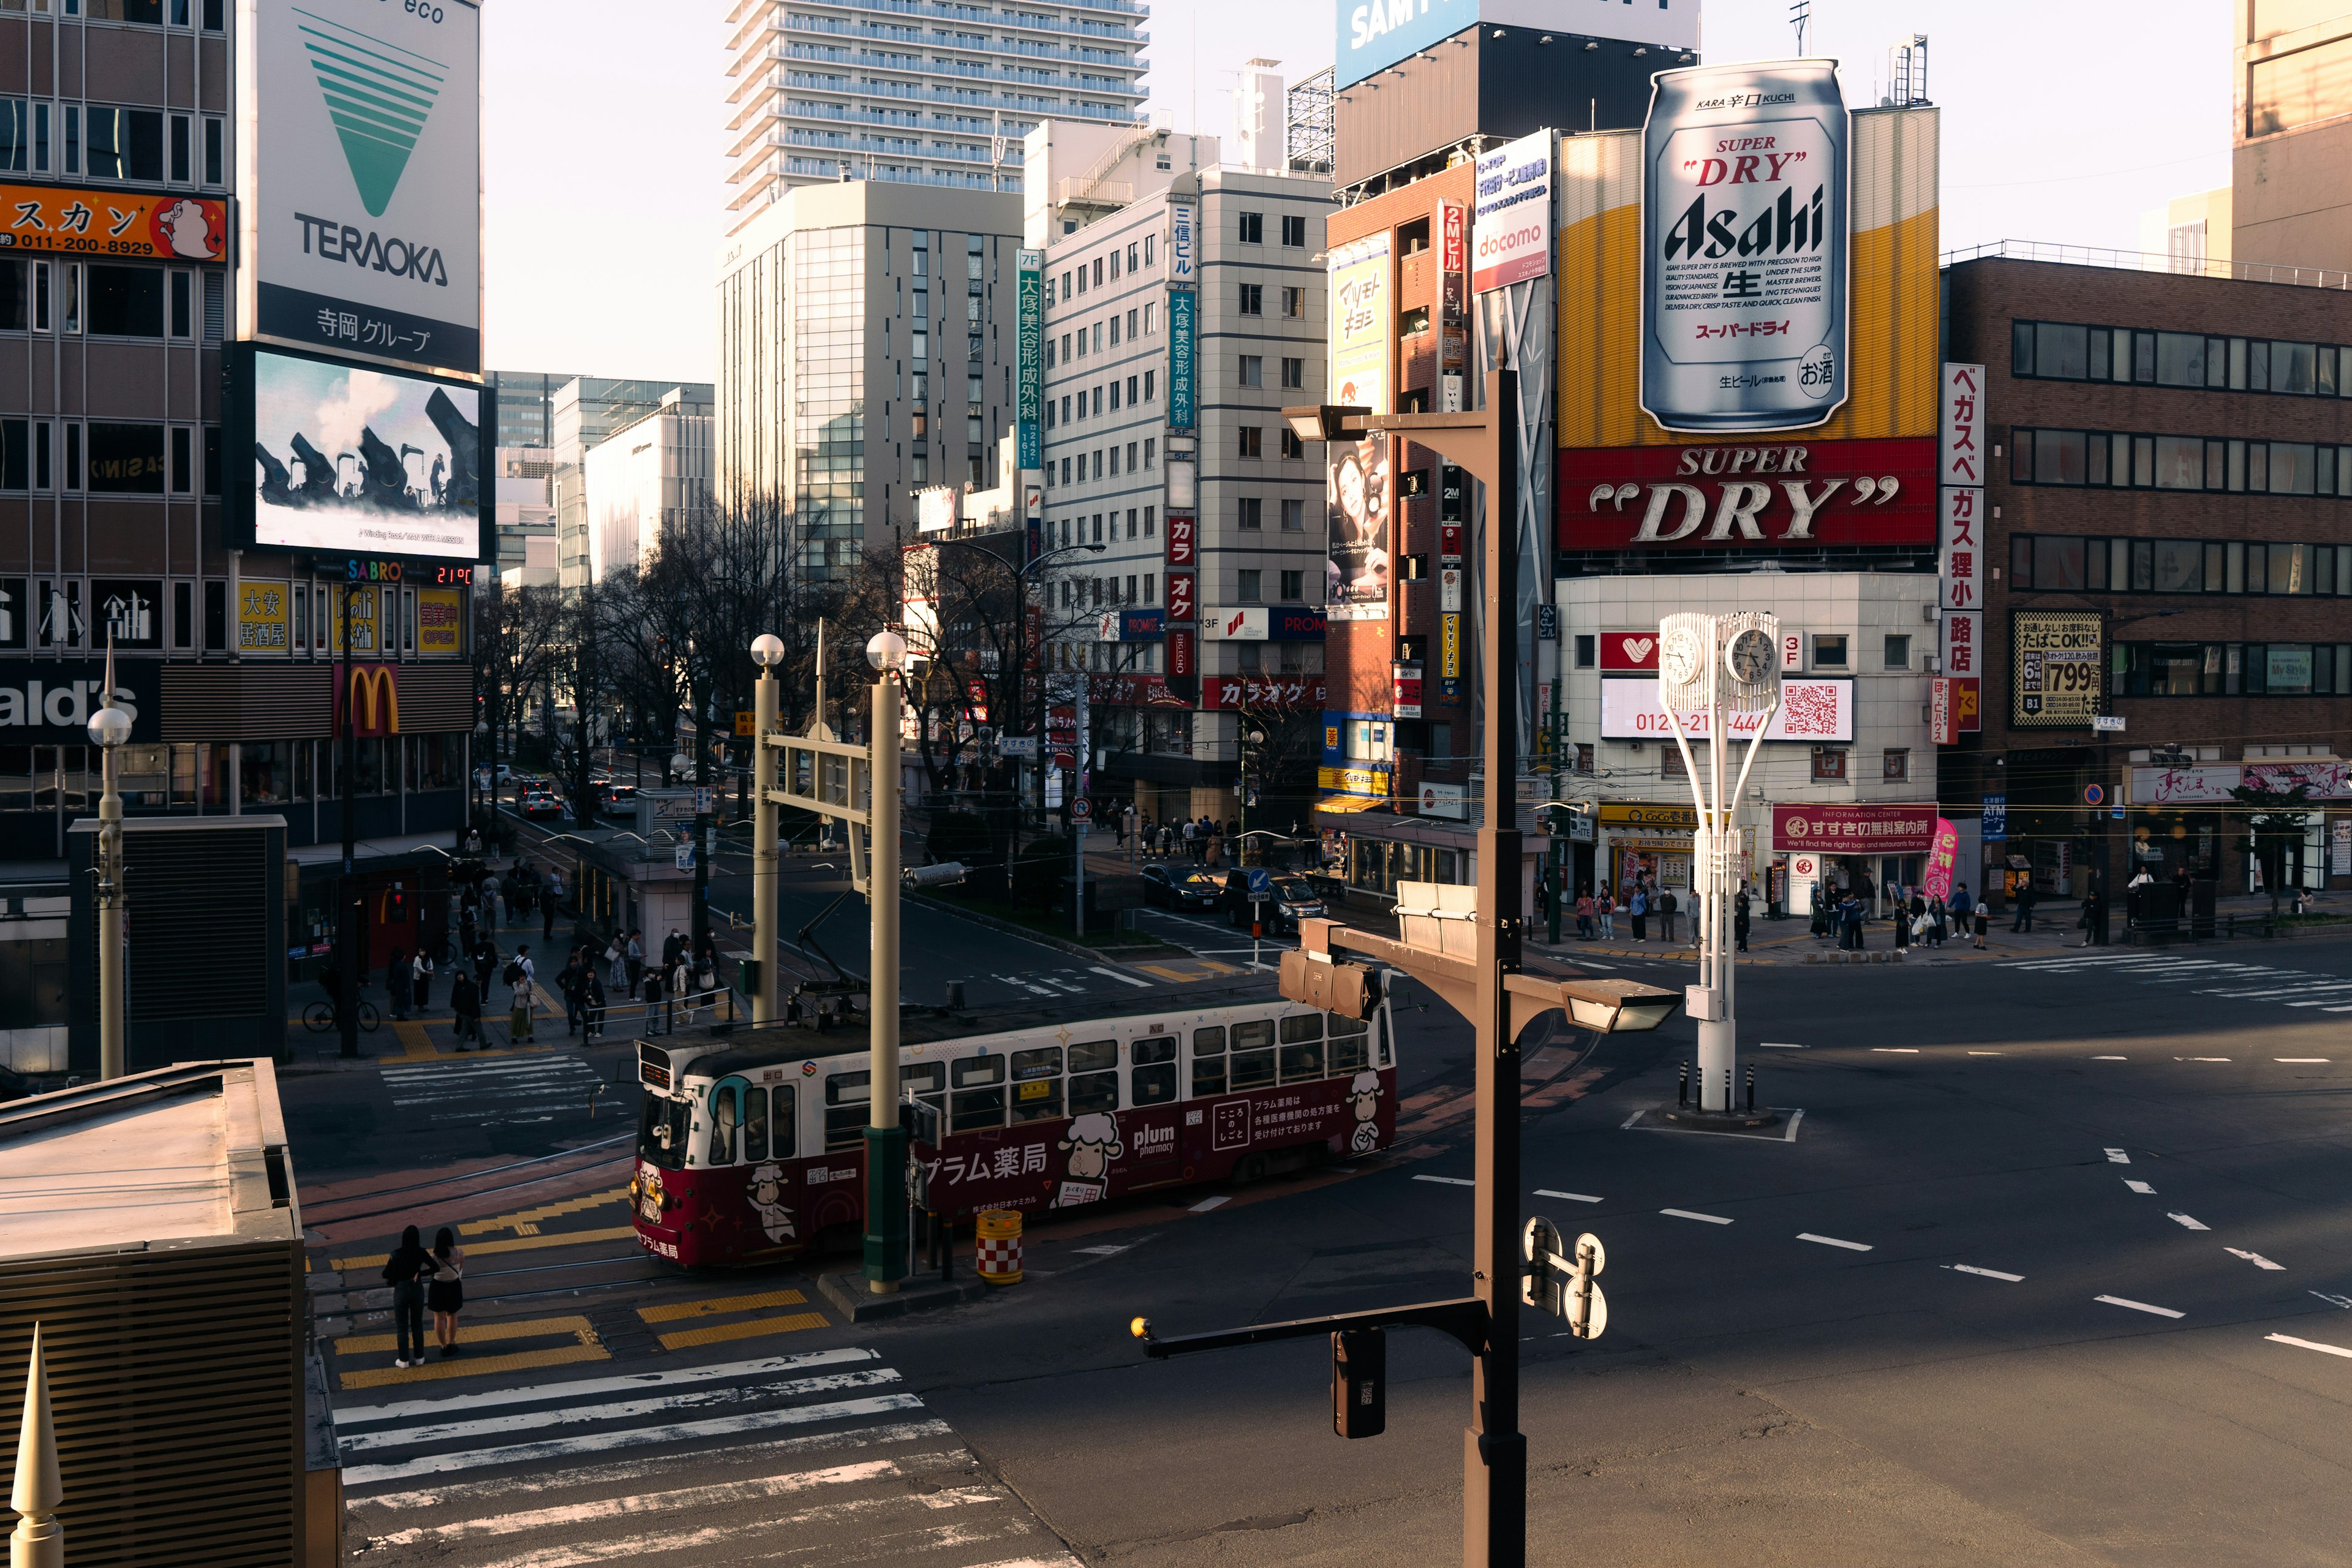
686	1338
719	1304
585	1347
1202	968
512	1243
531	1219
413	1041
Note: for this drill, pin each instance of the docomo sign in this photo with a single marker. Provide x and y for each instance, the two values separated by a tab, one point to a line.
1512	234
1815	711
1799	495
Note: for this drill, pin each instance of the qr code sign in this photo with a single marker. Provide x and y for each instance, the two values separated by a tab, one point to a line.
1810	712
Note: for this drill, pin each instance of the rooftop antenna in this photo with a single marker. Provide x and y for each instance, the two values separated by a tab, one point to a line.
1800	13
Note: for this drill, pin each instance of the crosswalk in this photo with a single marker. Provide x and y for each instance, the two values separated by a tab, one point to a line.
1098	978
822	1458
2258	982
513	1090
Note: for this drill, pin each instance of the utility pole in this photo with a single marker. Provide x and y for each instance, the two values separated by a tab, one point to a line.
110	726
347	930
767	652
885	1141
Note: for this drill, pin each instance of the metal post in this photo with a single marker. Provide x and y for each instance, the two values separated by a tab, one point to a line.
763	847
1714	1036
885	1142
38	1540
1079	778
1493	1452
347	918
111	1063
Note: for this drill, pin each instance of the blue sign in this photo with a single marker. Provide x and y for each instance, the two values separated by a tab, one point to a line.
1996	818
1374	35
1294	622
1181	305
1142	626
1261	882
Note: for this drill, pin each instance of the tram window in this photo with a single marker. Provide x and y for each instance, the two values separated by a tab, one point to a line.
1302	1061
1346	1053
1347	1026
979	1097
846	1097
1037	1079
1208	1062
1094	1076
661	1137
783	1128
722	1127
1094	1056
755	1125
1152	1078
924	1080
1385	1059
1302	1027
1253	1056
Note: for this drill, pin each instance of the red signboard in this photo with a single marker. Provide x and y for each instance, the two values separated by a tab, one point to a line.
1855	829
1180	664
1765	496
1184	540
1943	712
1451	252
1631	650
1263	691
1967	703
372	692
1181	606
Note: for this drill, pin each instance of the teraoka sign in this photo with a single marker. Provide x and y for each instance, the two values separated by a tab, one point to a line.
360	179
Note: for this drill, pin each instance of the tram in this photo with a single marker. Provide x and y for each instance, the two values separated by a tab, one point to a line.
752	1148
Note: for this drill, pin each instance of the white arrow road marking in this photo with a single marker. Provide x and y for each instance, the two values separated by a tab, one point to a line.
1686	1214
2182	1219
1205	1205
2342	1302
1122	979
2139	1305
1987	1273
2256	1258
2139	1186
1834	1241
2117	1157
2309	1345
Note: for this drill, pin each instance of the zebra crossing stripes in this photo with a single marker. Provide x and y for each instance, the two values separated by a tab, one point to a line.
791	1470
518	1089
2218	978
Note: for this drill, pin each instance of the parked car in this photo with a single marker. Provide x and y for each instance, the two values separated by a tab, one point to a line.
1179	887
1281	901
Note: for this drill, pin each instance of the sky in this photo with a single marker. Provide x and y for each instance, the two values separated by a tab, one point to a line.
2064	120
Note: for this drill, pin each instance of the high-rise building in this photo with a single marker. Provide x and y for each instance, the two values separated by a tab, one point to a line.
2290	134
586	410
865	352
646	477
826	90
526	406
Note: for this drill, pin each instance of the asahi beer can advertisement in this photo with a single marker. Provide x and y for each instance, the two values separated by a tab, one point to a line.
1745	246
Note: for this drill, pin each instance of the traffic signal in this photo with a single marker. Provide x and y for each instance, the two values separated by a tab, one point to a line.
1360	1382
1350	990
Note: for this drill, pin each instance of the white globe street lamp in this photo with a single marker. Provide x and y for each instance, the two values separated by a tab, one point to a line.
885	651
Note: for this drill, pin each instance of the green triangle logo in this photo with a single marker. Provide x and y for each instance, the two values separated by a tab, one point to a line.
378	95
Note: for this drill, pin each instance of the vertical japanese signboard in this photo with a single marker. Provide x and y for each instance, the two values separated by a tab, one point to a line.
1183	607
1961	534
1514	229
1359	323
1182	246
1029	395
1961	556
1181	303
2055	664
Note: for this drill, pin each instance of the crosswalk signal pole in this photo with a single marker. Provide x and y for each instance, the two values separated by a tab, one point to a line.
767	652
886	1140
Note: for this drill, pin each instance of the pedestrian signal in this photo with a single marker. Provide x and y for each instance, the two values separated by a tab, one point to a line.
1350	990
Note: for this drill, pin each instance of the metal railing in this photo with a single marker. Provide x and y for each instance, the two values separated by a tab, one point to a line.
2151	262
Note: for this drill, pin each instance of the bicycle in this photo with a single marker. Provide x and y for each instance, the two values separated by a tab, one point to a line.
320	1017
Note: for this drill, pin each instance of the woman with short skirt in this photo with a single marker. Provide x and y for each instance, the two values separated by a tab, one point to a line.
445	1289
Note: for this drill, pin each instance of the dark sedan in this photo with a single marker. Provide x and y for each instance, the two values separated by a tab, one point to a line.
1280	901
1179	887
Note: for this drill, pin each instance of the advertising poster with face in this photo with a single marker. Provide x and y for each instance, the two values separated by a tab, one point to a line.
1358	484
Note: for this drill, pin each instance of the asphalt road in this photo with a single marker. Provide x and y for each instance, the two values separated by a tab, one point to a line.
2054	1269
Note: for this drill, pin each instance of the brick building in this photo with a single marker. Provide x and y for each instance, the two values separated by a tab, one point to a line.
2173	471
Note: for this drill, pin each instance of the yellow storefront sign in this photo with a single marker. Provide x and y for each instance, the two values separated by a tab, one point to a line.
440	621
1354	781
362	612
1671	817
263	624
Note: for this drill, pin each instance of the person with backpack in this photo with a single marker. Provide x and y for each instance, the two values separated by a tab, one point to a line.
519	976
404	1271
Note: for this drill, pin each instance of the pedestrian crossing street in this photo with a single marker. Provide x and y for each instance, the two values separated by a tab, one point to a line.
2218	978
516	1090
820	1457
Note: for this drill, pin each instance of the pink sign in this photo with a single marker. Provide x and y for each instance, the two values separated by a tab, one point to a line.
1942	854
1857	829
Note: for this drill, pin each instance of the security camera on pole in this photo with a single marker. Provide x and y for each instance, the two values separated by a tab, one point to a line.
1725	671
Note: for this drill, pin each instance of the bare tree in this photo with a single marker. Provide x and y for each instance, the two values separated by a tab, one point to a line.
518	638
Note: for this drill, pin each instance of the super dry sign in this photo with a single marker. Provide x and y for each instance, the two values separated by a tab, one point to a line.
1758	496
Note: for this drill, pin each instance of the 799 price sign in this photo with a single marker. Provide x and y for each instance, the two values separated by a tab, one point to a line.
2057	669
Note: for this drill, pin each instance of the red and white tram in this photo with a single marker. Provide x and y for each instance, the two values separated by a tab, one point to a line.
753	1146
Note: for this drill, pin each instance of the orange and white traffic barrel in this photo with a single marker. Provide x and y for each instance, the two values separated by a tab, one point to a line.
998	1235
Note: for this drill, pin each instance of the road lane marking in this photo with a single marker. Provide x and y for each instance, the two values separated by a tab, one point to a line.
2302	1061
2139	1305
1122	979
1987	1273
2186	1223
1687	1213
2111	1058
1988	1053
2200	1059
2117	1157
1572	1197
629	1438
2310	1345
715	1305
513	1243
2256	1258
1781	1045
1834	1241
2139	1186
1448	1181
2342	1302
750	1329
472	1366
365	1414
1205	1205
1895	1050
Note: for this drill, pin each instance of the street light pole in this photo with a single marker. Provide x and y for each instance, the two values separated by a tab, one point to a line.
347	922
767	651
110	726
885	1141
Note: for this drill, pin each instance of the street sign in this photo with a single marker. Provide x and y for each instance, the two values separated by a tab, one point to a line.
1540	1288
745	720
1016	745
2107	723
1563	1284
1083	809
2093	795
702	800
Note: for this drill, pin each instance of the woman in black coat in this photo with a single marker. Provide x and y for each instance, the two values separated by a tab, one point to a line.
465	1001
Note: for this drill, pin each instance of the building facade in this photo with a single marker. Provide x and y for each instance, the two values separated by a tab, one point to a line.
583	413
2170	475
2292	129
865	352
646	477
825	90
1176	328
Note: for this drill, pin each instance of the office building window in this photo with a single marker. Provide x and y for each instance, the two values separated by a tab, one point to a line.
1249	441
1294	516
1247	593
1249	512
1252	229
1294	303
1293	587
1294	229
1294	374
1252	370
1250	299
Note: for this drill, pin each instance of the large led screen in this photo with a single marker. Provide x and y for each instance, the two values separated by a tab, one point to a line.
350	460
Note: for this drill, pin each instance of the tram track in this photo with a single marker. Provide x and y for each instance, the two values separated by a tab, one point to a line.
310	1208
